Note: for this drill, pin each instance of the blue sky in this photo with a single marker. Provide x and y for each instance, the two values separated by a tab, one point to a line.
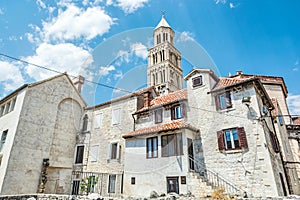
107	40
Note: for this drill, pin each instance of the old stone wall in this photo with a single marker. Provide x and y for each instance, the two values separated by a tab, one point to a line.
47	128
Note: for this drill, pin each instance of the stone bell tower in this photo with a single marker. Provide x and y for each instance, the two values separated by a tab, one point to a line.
164	61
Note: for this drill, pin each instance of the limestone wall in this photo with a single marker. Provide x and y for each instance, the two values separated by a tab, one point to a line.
47	128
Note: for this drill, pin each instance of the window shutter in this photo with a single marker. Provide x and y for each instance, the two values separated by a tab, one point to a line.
221	142
183	110
118	151
242	137
108	151
228	100
217	101
172	113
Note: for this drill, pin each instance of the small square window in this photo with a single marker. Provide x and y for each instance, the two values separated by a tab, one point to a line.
197	81
223	101
132	180
183	180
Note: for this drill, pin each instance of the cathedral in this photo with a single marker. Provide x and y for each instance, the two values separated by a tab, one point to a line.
231	133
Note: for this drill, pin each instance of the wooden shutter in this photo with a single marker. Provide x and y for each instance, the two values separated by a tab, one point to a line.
221	142
217	101
118	151
242	137
228	100
172	110
183	110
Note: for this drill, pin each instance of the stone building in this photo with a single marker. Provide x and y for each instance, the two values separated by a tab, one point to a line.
219	132
39	123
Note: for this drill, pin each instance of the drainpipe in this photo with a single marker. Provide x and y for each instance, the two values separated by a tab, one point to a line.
133	122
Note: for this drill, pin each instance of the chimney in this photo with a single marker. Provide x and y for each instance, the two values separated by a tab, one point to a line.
239	72
146	99
78	82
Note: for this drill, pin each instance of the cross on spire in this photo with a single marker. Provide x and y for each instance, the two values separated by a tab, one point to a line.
163	12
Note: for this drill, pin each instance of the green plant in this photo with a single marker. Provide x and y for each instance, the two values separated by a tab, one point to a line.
87	184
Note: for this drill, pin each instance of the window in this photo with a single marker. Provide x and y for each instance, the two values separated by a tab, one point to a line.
230	139
158	115
152	147
113	151
79	154
132	180
223	101
172	185
94	153
197	81
3	139
112	183
85	122
274	142
12	106
98	120
116	116
178	112
171	145
75	187
7	108
2	110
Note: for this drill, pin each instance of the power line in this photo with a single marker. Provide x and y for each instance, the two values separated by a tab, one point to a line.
58	72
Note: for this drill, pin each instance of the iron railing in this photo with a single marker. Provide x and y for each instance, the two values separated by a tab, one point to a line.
215	180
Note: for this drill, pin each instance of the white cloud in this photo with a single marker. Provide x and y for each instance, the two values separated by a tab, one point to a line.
63	57
74	23
139	50
129	6
109	2
220	1
295	69
123	56
296	62
185	36
10	76
231	5
105	70
294	104
41	4
118	75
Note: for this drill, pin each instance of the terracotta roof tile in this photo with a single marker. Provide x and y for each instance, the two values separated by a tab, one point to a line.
166	99
178	124
228	81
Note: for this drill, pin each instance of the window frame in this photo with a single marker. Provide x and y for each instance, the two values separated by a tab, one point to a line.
157	113
112	188
195	79
178	111
171	145
116	118
113	151
223	101
79	154
3	139
98	120
242	139
153	152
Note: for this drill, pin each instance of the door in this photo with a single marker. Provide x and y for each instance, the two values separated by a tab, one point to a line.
191	154
172	185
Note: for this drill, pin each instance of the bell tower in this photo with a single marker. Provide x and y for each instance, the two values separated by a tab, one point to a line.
164	61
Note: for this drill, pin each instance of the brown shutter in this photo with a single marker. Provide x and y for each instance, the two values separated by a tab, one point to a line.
221	142
172	110
183	110
242	137
217	101
228	100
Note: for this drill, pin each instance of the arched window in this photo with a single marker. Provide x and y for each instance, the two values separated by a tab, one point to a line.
161	77
85	122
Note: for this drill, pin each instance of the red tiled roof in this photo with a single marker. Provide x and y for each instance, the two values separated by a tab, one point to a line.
166	99
232	80
228	81
178	124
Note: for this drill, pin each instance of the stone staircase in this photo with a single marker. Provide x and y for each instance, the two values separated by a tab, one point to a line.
198	186
204	181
